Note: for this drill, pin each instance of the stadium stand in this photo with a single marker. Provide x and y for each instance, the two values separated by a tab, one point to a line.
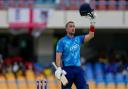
89	75
97	78
123	5
1	4
120	81
67	4
30	79
53	84
3	84
21	82
109	77
11	81
101	5
112	5
97	4
111	86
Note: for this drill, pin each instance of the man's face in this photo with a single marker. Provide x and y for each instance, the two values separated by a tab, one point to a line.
70	28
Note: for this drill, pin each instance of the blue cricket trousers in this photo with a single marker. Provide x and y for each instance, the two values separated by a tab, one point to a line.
75	75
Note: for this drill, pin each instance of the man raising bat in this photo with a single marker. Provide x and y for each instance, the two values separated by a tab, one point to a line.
68	53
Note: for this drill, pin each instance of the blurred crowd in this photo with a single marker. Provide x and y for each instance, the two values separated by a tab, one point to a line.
114	60
66	4
17	66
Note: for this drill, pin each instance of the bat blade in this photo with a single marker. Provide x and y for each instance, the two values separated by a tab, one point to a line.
63	78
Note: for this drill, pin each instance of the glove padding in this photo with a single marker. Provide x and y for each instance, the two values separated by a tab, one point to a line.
59	72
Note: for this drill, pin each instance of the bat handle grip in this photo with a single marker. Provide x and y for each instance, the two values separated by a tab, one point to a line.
53	63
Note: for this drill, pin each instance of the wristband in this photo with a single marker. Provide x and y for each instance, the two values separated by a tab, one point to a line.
92	28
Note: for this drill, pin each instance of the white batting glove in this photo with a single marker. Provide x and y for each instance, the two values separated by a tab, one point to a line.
64	72
59	72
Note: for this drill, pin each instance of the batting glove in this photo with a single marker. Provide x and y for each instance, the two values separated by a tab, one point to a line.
59	72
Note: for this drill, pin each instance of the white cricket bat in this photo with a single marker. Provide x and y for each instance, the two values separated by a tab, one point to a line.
63	79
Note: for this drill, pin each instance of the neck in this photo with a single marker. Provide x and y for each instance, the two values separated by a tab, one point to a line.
70	35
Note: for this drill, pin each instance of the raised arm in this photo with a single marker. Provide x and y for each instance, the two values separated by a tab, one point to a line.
91	33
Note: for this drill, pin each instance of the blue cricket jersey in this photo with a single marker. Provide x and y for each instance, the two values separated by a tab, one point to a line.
70	49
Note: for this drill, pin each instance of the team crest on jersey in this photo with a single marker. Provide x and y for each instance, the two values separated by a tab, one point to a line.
74	47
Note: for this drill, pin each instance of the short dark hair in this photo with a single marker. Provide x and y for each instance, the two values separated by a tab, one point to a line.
68	23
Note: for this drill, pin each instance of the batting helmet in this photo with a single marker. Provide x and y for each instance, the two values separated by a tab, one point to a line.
86	10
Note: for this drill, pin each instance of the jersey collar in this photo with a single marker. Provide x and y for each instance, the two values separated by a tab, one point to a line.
69	37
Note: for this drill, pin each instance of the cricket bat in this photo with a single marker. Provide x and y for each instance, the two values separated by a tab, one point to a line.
63	79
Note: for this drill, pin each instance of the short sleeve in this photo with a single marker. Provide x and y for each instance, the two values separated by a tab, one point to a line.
59	47
81	39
